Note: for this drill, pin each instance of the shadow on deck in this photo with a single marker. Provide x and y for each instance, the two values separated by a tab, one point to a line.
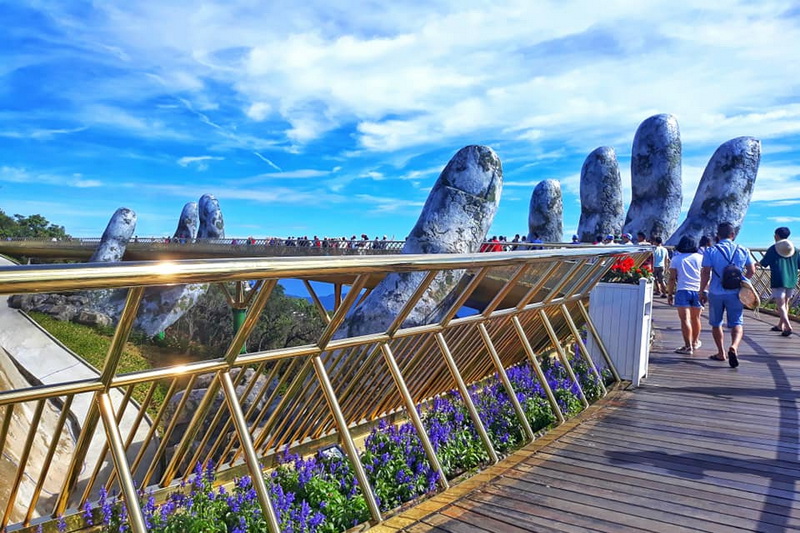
699	447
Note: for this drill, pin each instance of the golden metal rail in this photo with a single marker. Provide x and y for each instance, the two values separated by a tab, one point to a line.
532	303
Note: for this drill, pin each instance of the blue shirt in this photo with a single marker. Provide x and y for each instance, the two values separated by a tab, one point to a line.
717	257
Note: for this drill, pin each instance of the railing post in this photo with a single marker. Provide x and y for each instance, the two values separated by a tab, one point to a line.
462	387
582	347
250	456
135	517
538	369
413	415
344	433
501	371
561	355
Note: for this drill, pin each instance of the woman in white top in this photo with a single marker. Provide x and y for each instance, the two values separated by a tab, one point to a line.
685	274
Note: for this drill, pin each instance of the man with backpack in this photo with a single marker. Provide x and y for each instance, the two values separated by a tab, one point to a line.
724	267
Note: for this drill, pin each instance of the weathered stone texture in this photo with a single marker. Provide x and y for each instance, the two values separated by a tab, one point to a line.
115	238
211	224
655	178
455	219
546	213
725	189
189	223
601	195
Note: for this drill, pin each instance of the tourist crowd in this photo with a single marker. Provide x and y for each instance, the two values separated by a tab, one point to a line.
716	273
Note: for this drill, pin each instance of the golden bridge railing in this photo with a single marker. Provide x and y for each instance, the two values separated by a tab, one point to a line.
528	304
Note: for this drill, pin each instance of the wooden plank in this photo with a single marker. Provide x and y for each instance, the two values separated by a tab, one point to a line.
699	447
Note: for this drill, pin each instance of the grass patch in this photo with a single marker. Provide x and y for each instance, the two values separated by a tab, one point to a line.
92	345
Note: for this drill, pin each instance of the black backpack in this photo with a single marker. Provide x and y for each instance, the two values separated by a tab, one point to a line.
731	275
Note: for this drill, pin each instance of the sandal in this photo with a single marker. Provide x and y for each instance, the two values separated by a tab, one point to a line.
733	358
775	328
786	333
715	358
697	345
684	350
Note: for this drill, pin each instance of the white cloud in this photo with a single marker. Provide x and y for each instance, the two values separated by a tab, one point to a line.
22	175
200	163
784	220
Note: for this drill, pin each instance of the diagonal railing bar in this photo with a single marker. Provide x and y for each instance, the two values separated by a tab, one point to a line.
285	378
200	413
473	284
87	491
584	353
556	290
317	302
153	428
290	393
507	288
121	333
23	461
140	415
538	370
250	321
135	516
51	451
363	297
347	439
598	341
415	346
538	286
548	326
341	311
254	467
252	410
408	307
501	373
6	425
411	410
217	420
466	398
172	467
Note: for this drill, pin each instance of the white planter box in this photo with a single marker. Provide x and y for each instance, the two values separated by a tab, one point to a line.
622	314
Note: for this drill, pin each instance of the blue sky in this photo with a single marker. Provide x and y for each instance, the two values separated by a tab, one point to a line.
335	118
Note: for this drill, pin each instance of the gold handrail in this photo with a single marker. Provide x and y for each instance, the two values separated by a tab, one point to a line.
327	387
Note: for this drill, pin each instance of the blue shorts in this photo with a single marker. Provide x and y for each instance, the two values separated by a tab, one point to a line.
687	299
730	304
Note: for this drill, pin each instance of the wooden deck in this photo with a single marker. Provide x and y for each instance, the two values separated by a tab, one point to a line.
700	447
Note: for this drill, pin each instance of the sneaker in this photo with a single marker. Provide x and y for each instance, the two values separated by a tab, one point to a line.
697	345
684	350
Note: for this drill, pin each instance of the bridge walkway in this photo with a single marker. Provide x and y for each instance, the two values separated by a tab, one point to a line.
699	447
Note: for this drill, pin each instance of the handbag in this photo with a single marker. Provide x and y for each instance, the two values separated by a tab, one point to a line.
748	295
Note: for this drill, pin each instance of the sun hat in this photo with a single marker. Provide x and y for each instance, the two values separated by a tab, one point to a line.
785	248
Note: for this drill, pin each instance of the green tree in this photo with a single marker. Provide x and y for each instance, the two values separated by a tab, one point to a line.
29	227
207	328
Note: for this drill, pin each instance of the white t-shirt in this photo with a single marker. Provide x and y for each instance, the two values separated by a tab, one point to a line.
687	267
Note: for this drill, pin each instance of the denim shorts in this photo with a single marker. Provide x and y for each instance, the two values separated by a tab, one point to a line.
728	303
687	299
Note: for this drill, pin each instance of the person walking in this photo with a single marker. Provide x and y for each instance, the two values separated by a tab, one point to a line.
783	260
660	263
721	297
684	288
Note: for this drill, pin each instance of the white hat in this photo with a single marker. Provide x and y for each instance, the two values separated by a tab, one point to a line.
785	248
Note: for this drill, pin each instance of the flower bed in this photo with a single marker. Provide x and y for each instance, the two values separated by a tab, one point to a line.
321	494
